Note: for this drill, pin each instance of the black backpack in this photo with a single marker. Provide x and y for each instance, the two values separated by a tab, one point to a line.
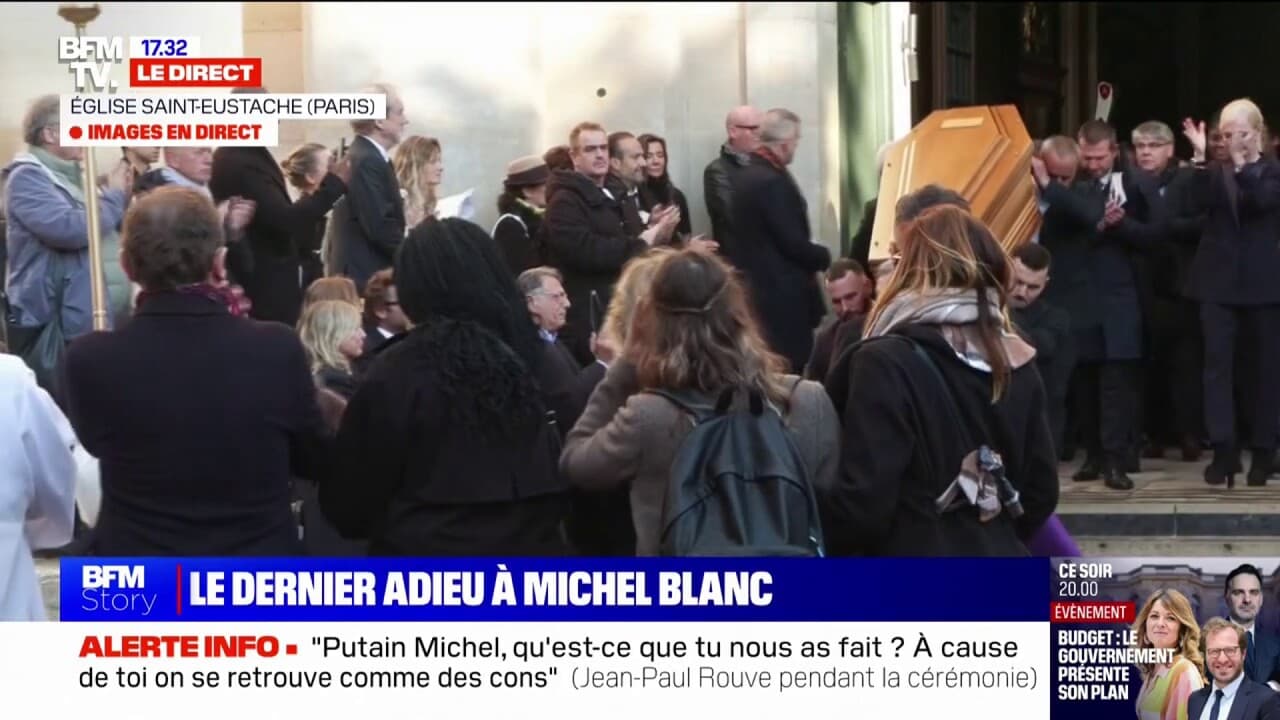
738	485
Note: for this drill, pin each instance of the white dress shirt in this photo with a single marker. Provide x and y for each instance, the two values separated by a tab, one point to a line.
1228	694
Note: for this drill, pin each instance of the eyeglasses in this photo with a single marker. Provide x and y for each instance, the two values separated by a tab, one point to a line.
1227	652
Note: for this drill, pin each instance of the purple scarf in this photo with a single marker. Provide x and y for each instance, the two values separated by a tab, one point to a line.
231	297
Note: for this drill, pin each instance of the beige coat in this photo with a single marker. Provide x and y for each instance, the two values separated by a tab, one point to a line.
624	438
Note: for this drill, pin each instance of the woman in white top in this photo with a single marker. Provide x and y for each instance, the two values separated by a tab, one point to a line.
37	486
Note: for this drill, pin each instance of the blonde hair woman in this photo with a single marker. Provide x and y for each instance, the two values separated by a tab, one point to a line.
419	165
331	333
335	287
1166	621
1233	277
632	287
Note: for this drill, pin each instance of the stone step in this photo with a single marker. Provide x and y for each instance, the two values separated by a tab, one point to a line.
1117	546
1169	500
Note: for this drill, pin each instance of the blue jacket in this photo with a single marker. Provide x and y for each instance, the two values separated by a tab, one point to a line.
44	218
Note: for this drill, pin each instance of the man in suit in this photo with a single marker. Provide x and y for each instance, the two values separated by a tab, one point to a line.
772	243
274	284
1096	228
1231	695
199	418
1244	602
567	384
369	223
599	523
1174	403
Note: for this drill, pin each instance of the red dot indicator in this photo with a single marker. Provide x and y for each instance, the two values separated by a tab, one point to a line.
75	132
290	649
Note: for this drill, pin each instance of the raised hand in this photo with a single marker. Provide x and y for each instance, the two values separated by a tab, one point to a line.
1195	133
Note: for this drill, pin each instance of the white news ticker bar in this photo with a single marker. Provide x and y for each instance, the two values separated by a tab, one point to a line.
226	106
41	667
164	47
158	131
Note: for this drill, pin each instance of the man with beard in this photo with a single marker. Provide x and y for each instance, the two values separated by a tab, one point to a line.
1231	695
1045	326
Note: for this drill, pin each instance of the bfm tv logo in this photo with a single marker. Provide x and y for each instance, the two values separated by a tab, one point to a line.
116	588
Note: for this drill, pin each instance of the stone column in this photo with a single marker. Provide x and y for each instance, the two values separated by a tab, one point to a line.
274	32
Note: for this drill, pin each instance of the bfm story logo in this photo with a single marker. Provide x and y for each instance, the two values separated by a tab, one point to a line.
116	588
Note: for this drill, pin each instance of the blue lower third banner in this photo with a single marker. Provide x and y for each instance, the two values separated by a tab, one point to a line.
565	590
577	637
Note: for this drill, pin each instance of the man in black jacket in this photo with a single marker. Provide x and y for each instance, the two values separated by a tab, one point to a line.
743	128
369	222
1174	405
773	246
1046	327
586	236
199	418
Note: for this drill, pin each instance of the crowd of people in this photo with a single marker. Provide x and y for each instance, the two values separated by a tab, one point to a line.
347	370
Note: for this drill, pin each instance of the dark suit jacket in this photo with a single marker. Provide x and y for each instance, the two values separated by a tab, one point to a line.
1238	260
369	221
278	226
1262	664
566	385
198	419
1252	702
1096	275
773	248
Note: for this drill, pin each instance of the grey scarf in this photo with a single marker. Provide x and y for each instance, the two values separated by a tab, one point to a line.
945	306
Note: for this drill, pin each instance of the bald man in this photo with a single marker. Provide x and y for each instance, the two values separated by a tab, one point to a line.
742	125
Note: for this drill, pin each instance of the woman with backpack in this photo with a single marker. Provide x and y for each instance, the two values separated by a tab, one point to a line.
692	345
946	447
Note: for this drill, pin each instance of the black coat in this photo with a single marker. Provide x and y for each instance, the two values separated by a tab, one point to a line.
585	237
598	523
1048	329
310	245
198	419
901	450
1096	274
717	189
774	250
1238	261
860	243
278	226
654	192
515	233
369	222
1171	260
414	483
567	385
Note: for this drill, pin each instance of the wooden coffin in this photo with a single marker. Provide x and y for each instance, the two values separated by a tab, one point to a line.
984	153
